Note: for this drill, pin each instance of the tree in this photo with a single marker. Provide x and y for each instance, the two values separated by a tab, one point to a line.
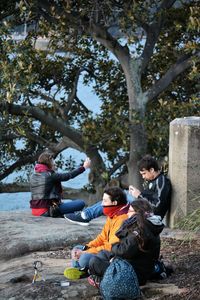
46	91
141	22
150	52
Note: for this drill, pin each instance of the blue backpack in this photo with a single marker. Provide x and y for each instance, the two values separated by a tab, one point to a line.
120	281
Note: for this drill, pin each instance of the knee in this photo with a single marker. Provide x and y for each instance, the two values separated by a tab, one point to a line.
84	260
93	264
81	204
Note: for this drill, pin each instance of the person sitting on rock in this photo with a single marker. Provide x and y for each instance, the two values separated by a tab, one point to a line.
157	190
139	243
46	189
115	207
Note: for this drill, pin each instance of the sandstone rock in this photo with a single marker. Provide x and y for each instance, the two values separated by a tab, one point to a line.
24	238
22	233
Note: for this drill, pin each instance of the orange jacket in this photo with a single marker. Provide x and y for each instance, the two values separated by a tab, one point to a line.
107	236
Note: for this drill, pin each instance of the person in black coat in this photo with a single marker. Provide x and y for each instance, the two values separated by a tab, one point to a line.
139	242
156	189
46	189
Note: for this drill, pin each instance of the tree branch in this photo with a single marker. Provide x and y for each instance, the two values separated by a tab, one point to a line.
54	122
64	111
153	32
56	148
39	140
52	100
73	93
166	4
98	32
101	35
82	105
8	137
180	66
25	159
120	163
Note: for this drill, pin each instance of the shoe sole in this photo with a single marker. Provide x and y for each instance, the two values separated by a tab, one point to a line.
73	273
76	222
93	283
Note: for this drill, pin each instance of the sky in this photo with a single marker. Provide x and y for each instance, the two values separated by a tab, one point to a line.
92	102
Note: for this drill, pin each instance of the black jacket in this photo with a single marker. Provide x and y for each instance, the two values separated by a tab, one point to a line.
46	186
128	247
158	193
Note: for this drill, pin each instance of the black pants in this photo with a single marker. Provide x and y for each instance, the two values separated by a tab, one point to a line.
99	263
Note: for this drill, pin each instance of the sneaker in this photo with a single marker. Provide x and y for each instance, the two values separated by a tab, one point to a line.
94	281
76	219
74	273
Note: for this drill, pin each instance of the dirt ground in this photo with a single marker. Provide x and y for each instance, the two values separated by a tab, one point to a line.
183	255
185	258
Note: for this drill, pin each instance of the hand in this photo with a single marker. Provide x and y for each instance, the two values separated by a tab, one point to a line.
87	163
76	253
133	191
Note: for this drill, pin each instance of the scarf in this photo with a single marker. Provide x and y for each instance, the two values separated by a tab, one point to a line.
115	210
42	168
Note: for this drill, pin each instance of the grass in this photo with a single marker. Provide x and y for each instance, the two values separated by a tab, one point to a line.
191	222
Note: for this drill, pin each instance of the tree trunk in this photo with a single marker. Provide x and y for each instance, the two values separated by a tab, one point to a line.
137	105
96	175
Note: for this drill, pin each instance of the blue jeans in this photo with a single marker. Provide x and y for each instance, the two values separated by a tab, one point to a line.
84	259
96	210
69	206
